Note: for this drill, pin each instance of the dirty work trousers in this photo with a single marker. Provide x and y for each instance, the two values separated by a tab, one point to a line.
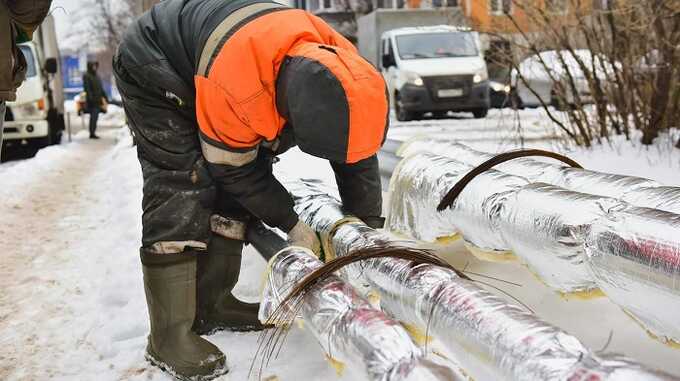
180	196
94	117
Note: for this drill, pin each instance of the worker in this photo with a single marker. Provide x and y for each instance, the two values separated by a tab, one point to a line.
18	21
213	91
95	97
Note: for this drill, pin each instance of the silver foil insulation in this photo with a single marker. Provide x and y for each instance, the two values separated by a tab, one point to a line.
577	180
541	224
634	255
490	338
545	225
421	181
346	326
662	198
547	228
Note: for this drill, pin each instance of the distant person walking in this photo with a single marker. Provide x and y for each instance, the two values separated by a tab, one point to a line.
18	20
95	97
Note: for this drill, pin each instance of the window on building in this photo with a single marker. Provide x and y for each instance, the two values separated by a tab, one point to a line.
444	3
312	5
556	6
327	4
500	7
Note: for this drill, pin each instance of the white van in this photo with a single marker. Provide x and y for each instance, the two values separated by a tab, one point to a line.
36	118
434	69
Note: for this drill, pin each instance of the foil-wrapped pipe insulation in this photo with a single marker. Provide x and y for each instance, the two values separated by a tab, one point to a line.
443	147
635	258
533	170
662	198
489	337
602	184
418	185
544	226
574	179
346	326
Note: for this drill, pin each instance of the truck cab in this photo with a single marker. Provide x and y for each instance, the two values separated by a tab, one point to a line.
434	69
36	118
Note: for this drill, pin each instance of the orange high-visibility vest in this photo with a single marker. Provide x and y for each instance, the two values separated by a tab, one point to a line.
236	99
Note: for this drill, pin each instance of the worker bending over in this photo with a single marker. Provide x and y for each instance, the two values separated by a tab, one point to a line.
214	90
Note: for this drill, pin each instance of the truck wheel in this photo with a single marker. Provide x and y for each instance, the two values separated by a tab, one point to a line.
440	114
403	115
480	113
40	143
56	127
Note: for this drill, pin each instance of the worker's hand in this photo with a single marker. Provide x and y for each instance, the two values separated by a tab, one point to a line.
304	236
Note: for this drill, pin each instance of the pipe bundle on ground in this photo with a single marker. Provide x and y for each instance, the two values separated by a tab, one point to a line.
635	190
347	327
548	228
500	339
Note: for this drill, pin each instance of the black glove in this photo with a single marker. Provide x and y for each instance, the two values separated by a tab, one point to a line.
375	222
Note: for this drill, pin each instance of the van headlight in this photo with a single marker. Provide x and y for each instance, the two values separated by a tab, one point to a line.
413	78
480	76
26	110
499	87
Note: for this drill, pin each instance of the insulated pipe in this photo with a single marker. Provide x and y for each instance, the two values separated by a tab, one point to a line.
422	180
634	255
500	339
350	331
574	241
628	188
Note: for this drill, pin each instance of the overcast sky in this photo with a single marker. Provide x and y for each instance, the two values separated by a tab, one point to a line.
61	9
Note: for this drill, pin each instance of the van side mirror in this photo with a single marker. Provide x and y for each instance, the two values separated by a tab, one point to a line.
387	61
51	66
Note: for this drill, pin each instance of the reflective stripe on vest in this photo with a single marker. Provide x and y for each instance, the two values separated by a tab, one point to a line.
231	21
221	156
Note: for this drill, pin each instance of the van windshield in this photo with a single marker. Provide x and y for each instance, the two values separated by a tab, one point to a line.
30	61
436	45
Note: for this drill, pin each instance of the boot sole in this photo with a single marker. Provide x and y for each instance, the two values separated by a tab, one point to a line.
168	369
243	328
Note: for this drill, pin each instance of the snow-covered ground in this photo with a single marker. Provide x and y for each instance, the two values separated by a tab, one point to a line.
72	303
501	131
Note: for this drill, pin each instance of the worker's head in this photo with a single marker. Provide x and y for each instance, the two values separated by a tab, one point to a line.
335	101
92	66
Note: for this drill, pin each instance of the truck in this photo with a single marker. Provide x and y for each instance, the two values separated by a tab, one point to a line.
36	118
434	69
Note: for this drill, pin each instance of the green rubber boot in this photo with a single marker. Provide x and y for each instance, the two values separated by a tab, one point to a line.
170	286
218	308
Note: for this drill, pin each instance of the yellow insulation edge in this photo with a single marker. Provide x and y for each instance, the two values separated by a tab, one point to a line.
669	343
490	255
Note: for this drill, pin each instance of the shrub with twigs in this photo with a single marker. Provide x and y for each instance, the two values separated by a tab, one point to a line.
614	68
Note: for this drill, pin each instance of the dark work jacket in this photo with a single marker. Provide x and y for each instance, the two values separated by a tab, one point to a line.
171	36
92	85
